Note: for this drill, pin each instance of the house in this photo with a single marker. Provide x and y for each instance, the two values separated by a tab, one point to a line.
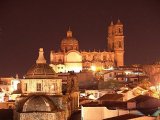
111	97
96	111
131	117
143	102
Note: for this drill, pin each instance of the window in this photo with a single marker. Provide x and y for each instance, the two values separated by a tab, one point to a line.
110	75
60	60
104	58
120	45
25	87
119	30
38	86
84	58
53	87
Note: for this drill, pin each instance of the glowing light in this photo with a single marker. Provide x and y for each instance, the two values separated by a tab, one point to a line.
93	68
14	84
128	72
92	97
110	68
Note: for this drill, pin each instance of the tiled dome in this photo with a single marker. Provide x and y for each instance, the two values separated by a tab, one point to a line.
41	69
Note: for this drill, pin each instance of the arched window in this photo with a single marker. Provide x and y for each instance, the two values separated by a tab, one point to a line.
119	44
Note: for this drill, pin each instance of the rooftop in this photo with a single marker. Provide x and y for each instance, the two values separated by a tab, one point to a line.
124	117
111	97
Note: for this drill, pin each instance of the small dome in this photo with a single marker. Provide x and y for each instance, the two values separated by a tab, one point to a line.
39	103
40	71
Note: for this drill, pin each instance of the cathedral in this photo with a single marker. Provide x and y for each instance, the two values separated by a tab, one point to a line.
44	95
47	96
70	58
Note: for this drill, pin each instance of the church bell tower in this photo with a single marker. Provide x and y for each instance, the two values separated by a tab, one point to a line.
116	42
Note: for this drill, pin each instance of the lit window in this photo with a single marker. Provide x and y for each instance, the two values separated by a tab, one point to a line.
93	68
38	86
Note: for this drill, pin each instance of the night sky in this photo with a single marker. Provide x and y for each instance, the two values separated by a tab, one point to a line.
27	25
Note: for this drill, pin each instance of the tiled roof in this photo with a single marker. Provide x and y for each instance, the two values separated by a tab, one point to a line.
124	117
111	97
115	104
141	98
149	111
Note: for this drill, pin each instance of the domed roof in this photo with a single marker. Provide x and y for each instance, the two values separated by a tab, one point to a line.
39	103
69	43
69	39
41	69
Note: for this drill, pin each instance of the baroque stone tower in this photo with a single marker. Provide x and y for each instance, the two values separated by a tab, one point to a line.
116	42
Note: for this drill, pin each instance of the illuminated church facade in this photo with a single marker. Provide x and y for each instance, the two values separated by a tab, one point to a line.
70	58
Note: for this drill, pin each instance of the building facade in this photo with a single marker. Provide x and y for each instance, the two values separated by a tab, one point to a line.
42	97
71	58
8	85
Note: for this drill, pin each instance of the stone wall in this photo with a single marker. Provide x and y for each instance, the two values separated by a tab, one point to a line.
42	116
49	86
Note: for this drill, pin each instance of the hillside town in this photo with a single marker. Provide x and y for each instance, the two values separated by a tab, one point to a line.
83	85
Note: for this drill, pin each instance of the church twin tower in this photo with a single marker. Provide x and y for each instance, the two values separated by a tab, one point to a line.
116	42
70	58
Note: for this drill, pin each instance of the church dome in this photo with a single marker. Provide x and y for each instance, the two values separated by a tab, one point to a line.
39	103
69	43
41	69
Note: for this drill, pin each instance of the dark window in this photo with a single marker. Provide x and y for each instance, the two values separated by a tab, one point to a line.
60	60
25	87
120	45
104	58
119	30
38	86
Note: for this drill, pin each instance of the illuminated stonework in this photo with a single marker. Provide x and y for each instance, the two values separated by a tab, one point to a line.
71	59
42	97
69	43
